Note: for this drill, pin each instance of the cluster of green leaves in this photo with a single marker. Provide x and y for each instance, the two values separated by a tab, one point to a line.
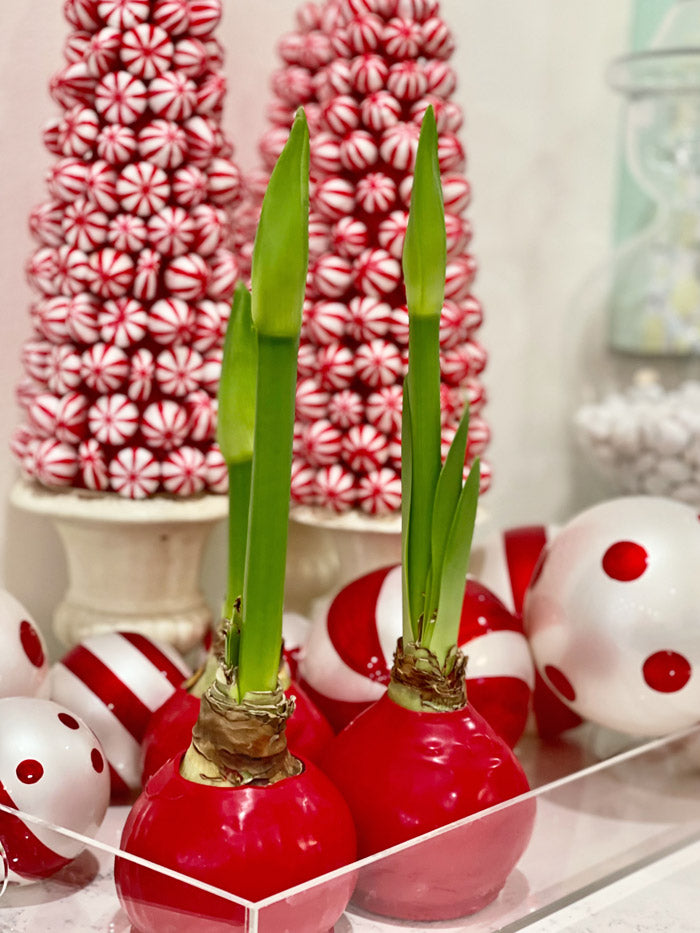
438	508
256	417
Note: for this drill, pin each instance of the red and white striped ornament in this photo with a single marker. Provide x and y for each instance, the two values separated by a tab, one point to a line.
186	277
116	144
345	408
112	273
368	317
121	98
334	488
115	681
134	473
184	471
141	375
146	51
85	226
142	188
178	370
164	424
173	96
146	275
104	367
379	492
92	466
364	448
113	419
102	51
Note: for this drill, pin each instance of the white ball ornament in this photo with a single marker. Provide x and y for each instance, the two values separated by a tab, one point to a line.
51	767
24	665
612	615
115	681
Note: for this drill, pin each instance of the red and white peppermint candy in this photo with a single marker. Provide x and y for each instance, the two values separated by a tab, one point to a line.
76	45
376	272
334	488
379	493
204	17
307	359
441	78
46	223
311	400
289	47
459	276
368	318
123	14
324	321
378	363
67	178
335	366
85	226
142	188
43	414
101	186
321	443
341	114
417	9
384	409
104	368
141	375
303	483
82	14
398	146
201	409
476	394
365	32
368	73
279	112
146	275
451	324
202	142
336	79
375	193
437	39
163	143
102	51
345	408
325	153
55	463
81	318
210	321
113	419
120	98
458	233
308	17
172	15
77	131
177	370
170	320
403	38
72	85
51	318
271	145
315	50
456	192
123	322
208	225
71	418
332	275
135	474
22	441
184	472
223	181
399	325
364	448
349	237
112	272
26	392
358	151
391	233
380	110
450	153
189	186
223	275
73	271
164	424
172	95
92	465
190	56
292	85
171	231
41	270
146	51
211	93
35	359
64	371
116	144
127	233
217	471
457	363
473	315
478	437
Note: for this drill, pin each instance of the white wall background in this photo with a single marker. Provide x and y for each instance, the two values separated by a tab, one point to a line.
541	138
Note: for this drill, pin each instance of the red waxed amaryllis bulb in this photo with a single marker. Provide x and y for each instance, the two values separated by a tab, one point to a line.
422	757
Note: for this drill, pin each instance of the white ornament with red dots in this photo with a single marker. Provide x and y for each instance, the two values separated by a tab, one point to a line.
24	665
53	767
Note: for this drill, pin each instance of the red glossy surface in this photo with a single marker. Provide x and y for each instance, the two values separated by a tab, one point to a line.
170	729
252	841
405	773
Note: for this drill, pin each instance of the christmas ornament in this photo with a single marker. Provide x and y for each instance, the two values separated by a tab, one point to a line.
116	682
611	615
24	665
51	767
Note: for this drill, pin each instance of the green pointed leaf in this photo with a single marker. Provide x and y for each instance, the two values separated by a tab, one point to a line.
281	250
425	249
409	632
455	565
236	411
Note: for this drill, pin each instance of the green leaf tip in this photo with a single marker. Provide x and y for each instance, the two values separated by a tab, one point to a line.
281	250
425	246
237	385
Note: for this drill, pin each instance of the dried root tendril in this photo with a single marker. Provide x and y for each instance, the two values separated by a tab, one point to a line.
419	681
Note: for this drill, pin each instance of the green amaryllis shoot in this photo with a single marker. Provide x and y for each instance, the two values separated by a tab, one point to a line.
439	509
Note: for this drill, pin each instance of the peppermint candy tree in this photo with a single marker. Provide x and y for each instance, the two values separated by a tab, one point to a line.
133	271
365	72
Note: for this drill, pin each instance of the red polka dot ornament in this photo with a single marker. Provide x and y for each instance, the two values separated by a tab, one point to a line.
24	665
51	766
612	615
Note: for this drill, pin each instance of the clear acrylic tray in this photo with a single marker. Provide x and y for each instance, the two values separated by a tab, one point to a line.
605	805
